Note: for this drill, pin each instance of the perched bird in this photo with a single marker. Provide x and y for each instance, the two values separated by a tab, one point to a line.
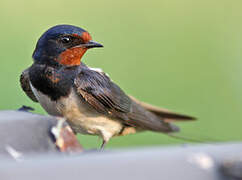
85	97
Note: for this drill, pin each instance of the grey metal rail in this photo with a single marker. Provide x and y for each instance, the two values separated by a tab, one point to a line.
27	153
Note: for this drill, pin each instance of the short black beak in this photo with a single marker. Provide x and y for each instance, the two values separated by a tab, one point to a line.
92	44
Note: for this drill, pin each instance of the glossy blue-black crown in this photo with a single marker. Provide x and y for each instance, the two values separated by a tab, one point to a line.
44	45
60	30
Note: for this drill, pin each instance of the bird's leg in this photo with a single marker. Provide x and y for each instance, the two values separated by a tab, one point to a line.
103	145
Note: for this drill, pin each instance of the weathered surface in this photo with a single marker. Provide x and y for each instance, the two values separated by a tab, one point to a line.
23	134
181	163
232	168
26	138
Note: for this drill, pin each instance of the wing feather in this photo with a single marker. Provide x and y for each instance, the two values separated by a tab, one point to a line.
99	91
106	97
25	84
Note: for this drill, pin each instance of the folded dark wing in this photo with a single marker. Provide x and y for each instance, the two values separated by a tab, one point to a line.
100	92
107	98
25	84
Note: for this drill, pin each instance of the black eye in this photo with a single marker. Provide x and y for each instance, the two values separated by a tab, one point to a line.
66	40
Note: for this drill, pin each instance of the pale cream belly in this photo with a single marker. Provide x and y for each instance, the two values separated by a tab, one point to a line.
81	117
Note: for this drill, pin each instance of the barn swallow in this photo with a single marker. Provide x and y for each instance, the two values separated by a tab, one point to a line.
87	98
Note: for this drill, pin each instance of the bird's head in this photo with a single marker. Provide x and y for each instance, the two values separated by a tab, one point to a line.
63	44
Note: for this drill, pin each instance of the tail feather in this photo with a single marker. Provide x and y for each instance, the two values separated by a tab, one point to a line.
194	138
184	138
163	113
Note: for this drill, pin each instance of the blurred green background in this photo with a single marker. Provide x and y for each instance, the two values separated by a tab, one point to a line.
184	55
